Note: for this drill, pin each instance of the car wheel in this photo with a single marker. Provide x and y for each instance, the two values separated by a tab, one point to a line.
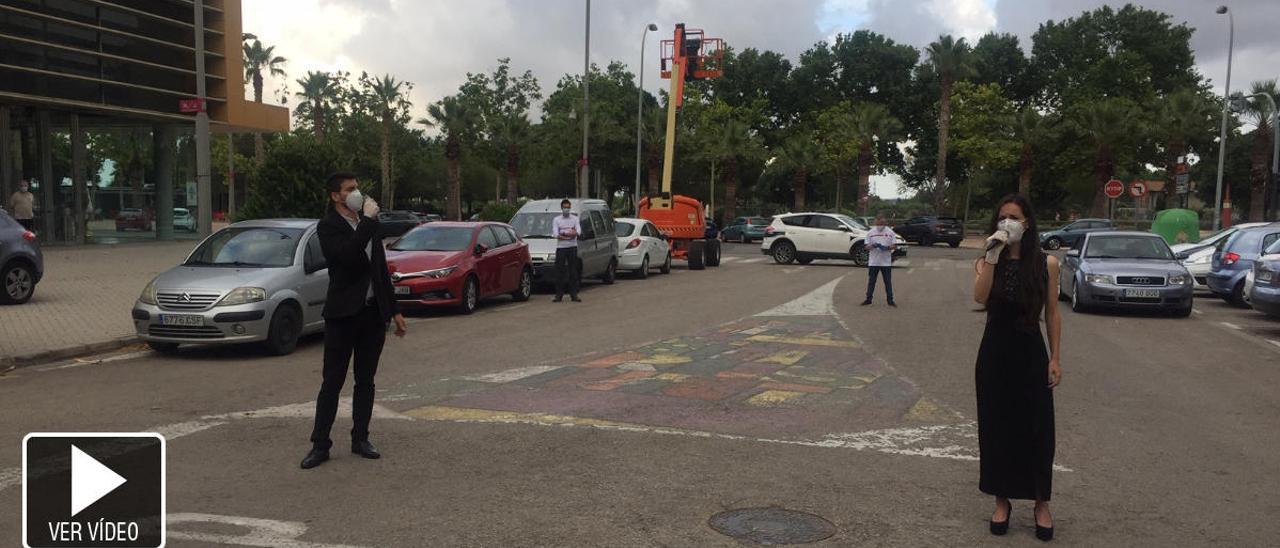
861	256
953	244
1077	305
19	283
286	325
697	255
1237	295
926	240
163	347
525	290
611	273
1053	244
470	296
784	253
1183	312
744	239
666	265
804	260
644	269
713	253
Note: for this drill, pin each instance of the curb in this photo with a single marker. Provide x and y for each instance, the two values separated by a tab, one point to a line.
68	353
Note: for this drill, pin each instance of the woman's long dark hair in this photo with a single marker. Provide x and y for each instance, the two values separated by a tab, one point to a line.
1033	277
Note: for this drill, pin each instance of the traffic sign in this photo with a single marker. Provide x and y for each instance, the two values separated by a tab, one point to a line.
1114	188
190	106
1138	189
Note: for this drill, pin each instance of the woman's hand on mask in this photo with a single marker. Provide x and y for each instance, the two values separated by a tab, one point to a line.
1002	239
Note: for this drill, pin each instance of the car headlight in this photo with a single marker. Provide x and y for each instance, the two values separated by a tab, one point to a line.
243	295
148	295
1098	279
1264	276
1180	279
433	274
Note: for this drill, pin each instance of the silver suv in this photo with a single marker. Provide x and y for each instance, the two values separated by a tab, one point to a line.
597	246
254	281
21	263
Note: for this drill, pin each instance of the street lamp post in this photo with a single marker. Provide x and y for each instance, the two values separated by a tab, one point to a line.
640	113
584	180
1222	137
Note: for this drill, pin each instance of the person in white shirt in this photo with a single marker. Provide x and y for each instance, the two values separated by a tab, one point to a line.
566	229
881	243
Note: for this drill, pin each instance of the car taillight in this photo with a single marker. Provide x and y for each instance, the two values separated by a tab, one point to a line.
1229	259
936	228
29	236
770	231
634	244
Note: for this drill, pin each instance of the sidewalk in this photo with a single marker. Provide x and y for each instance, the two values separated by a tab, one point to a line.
82	305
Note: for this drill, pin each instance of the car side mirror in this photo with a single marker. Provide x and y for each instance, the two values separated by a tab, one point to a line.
1073	253
845	228
481	249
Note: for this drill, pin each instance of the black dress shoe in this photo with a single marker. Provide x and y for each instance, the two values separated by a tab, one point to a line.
866	302
999	528
365	449
893	304
315	458
1044	533
575	299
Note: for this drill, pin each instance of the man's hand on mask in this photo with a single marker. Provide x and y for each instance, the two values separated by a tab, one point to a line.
371	208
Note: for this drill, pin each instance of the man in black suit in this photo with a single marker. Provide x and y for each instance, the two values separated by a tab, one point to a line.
360	302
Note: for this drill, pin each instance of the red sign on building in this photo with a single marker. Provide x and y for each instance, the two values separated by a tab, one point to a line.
190	106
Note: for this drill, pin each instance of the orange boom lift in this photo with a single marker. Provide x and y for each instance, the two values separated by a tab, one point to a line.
688	56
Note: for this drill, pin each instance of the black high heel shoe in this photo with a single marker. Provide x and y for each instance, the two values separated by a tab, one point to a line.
999	528
1043	533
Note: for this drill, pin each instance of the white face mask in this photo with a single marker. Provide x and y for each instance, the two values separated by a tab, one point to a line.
355	201
1014	228
565	211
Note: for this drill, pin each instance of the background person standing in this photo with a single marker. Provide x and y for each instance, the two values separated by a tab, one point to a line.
881	243
567	227
360	302
23	205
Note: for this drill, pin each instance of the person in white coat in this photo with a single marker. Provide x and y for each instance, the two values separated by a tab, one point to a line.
881	243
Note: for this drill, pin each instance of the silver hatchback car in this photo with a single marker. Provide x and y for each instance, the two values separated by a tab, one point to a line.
254	281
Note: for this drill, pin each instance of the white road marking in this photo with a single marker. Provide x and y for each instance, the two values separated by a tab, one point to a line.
1230	325
261	532
756	260
818	302
512	374
1273	341
728	259
81	362
1197	311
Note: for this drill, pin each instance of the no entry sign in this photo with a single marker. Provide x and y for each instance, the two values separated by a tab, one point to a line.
1138	189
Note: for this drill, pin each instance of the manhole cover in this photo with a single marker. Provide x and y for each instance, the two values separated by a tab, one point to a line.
769	526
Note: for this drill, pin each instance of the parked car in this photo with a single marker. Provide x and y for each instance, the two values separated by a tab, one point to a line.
1233	260
394	224
1264	292
135	219
447	264
640	246
927	230
1119	269
21	261
430	217
253	281
745	229
183	219
597	245
804	237
1198	257
1071	235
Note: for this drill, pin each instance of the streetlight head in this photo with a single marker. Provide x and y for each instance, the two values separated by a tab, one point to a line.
1222	10
653	26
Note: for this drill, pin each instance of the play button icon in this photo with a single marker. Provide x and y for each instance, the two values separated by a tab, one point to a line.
90	480
93	489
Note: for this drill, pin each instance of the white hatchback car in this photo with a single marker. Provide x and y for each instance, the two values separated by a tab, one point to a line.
803	237
640	246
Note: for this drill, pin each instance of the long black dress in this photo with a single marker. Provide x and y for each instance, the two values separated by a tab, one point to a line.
1015	404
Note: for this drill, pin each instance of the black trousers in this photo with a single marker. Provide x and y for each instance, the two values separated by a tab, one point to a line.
567	271
887	273
362	335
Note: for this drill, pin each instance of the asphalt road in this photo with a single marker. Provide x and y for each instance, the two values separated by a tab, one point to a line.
632	418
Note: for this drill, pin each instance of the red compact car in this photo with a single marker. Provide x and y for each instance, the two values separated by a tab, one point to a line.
133	218
458	264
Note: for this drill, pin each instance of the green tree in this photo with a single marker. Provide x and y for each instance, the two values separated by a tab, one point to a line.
257	61
1182	118
1258	111
871	123
952	61
1030	128
457	121
802	155
985	135
511	132
389	101
725	136
998	59
321	93
290	182
1108	125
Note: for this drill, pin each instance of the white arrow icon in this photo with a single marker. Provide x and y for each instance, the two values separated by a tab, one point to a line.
90	480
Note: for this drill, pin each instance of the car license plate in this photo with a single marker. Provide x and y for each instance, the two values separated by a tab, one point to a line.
402	290
1142	293
185	320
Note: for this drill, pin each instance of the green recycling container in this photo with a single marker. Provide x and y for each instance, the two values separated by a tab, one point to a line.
1177	226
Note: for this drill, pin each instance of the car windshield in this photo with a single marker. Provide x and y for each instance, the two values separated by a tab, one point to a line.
624	229
258	247
434	238
1128	247
759	221
534	225
853	222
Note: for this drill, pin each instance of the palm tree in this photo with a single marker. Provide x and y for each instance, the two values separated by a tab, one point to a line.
1259	109
952	60
1108	125
729	142
319	90
456	120
386	95
871	122
259	60
1029	128
511	133
801	155
1181	116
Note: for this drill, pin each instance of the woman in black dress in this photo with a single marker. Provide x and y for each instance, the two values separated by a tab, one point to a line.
1015	375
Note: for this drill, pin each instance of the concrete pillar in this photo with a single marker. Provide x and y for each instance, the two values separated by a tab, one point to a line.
46	202
78	180
164	138
7	184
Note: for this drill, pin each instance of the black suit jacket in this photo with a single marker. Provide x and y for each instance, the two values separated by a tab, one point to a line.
351	271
